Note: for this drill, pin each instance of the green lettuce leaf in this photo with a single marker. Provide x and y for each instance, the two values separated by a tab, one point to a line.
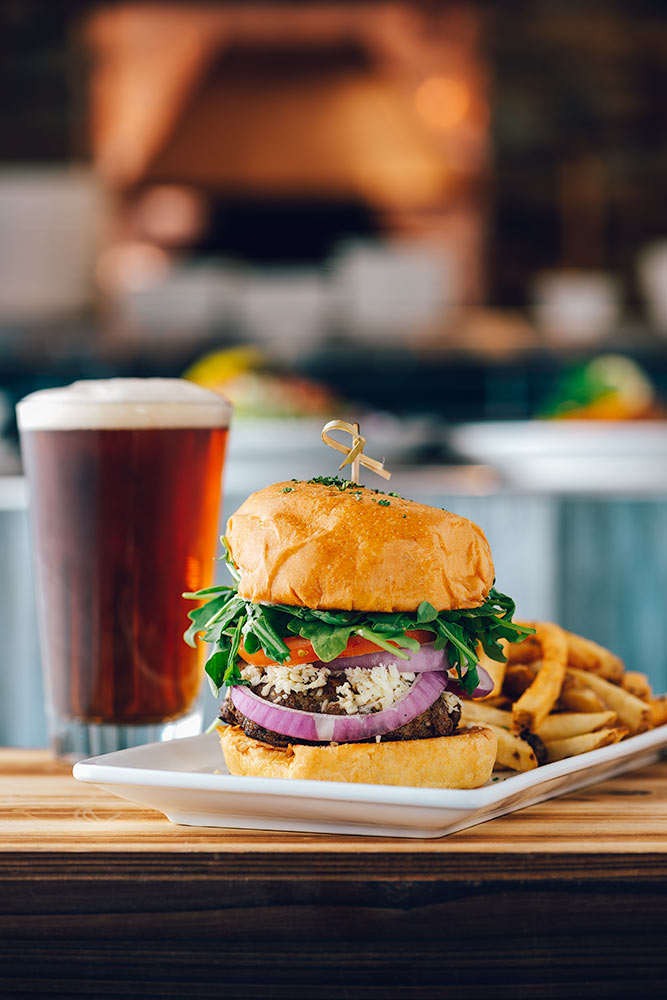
226	619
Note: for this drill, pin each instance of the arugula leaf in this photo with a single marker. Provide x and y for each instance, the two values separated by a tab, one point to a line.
470	679
204	617
426	612
383	642
216	666
262	629
226	619
231	675
328	641
205	592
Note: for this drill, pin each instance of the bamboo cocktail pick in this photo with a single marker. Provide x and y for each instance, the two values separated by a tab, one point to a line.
354	453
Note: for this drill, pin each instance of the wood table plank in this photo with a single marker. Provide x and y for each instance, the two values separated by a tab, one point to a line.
42	808
103	898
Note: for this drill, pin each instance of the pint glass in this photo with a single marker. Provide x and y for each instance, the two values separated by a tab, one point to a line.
125	484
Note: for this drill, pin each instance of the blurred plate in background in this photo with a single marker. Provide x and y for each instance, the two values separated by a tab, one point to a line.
567	456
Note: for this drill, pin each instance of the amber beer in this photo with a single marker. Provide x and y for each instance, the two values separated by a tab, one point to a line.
125	479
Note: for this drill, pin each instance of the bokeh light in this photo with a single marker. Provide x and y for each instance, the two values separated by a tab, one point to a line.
442	101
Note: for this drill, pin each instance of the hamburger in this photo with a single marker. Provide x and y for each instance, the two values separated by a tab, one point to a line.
352	628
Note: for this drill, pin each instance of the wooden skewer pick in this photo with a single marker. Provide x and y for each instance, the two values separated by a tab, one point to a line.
354	454
356	462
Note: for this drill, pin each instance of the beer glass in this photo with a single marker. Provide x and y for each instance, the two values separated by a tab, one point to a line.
125	485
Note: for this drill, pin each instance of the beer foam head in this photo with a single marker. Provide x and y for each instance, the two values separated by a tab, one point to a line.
123	403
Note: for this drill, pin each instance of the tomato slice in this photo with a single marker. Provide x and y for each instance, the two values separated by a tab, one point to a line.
301	650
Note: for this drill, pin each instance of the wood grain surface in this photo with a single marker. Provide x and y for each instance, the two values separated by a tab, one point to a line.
102	898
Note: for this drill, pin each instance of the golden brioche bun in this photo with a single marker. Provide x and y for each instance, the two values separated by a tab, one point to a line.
356	550
464	760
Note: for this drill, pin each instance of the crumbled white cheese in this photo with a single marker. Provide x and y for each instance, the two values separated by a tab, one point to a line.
252	674
285	679
452	701
372	690
359	689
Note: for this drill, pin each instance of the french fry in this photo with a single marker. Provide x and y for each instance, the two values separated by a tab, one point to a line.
631	711
574	697
537	701
513	752
518	678
659	710
502	702
475	713
494	668
524	652
584	654
571	693
637	684
558	749
564	725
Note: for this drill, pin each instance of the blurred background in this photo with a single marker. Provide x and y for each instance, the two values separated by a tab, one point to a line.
445	220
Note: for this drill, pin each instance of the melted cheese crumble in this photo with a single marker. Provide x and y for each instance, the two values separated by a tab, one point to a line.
285	679
359	689
372	689
451	700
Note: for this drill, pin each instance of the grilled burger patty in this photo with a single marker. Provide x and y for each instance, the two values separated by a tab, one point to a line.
441	719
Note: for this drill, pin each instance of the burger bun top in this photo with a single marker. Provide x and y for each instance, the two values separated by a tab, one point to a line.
349	548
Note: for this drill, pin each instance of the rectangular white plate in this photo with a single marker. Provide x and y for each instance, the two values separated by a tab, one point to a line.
187	780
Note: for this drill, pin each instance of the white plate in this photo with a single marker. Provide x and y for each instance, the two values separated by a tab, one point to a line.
188	782
570	455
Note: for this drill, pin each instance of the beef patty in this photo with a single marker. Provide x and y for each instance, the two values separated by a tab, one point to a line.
441	719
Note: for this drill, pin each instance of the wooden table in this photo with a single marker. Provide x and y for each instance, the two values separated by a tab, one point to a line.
101	898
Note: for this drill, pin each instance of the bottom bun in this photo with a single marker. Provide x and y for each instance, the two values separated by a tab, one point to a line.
464	760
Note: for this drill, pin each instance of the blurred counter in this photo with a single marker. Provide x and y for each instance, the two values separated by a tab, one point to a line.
594	561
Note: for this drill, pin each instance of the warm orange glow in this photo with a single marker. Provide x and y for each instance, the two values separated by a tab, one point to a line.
442	101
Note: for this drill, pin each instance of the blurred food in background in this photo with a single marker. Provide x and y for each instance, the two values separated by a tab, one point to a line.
609	387
243	376
602	428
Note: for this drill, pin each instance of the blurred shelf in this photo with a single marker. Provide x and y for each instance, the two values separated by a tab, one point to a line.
453	380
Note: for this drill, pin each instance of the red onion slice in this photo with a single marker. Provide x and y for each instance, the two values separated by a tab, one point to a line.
320	728
423	660
484	687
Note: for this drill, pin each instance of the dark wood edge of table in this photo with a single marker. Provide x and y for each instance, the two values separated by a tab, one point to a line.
276	866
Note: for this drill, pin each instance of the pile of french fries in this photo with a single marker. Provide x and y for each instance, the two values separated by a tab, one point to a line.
558	695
